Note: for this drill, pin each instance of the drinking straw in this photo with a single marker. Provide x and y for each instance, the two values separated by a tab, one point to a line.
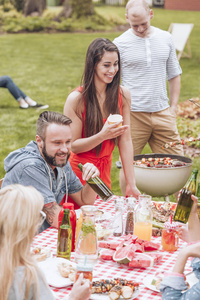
171	219
85	260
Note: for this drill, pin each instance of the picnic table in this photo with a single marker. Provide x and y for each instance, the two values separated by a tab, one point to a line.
111	269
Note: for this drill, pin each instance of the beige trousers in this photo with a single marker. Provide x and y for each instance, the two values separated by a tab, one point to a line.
157	129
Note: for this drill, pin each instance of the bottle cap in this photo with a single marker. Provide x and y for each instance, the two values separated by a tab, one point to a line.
84	268
68	205
173	225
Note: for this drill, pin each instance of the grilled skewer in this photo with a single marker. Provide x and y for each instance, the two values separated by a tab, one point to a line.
104	286
181	142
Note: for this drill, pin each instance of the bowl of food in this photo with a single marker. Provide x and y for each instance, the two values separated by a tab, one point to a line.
160	175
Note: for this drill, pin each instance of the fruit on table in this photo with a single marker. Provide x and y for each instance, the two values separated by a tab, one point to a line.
129	250
125	254
107	254
141	260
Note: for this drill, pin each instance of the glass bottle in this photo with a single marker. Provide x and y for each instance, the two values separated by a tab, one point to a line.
130	202
143	218
118	217
99	186
86	247
185	202
72	217
64	237
198	196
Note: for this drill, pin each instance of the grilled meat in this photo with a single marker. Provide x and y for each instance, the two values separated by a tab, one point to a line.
103	286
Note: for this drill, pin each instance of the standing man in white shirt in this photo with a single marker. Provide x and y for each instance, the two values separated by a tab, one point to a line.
148	59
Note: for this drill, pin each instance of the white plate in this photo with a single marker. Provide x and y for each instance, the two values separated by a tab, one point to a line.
106	297
191	279
147	283
49	268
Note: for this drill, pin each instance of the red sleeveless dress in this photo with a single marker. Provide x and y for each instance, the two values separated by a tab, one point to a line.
103	161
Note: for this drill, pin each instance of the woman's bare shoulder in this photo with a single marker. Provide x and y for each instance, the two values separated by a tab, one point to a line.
74	97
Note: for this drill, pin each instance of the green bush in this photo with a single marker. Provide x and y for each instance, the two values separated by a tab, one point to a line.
18	4
13	21
7	6
64	25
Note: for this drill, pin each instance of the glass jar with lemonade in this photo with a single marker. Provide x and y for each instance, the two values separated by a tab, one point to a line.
143	218
86	246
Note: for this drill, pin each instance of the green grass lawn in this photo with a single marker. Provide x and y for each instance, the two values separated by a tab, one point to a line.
48	66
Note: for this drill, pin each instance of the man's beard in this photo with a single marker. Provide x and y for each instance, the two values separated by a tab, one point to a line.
51	160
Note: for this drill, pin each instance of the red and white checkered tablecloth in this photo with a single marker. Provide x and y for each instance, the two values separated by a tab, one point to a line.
109	269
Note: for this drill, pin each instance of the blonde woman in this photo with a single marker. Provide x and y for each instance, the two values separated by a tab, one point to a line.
20	218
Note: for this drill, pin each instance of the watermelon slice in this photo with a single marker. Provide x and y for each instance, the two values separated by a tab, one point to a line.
139	248
113	245
139	241
106	254
124	255
103	244
150	246
141	260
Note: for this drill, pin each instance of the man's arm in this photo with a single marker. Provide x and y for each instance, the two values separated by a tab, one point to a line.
52	211
86	196
174	92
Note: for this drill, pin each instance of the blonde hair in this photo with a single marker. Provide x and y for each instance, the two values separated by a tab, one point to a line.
137	3
19	218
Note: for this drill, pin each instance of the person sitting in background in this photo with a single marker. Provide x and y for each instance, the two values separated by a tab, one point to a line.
20	218
23	100
44	165
90	105
173	283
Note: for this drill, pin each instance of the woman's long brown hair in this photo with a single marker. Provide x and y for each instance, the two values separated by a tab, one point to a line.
93	118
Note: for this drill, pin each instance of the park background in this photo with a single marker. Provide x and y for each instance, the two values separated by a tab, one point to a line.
47	66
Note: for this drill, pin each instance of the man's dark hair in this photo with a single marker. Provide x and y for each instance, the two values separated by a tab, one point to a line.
50	117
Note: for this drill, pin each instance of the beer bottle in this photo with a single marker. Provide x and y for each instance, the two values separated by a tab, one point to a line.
185	202
99	186
64	237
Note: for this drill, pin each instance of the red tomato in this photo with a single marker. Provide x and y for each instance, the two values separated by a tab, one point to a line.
157	159
150	159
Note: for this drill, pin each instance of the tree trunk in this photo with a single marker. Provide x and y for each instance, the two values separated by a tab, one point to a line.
82	8
66	12
79	8
32	6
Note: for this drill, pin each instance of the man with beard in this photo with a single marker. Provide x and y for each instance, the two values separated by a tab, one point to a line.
44	165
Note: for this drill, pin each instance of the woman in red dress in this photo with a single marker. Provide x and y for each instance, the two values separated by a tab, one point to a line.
89	107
